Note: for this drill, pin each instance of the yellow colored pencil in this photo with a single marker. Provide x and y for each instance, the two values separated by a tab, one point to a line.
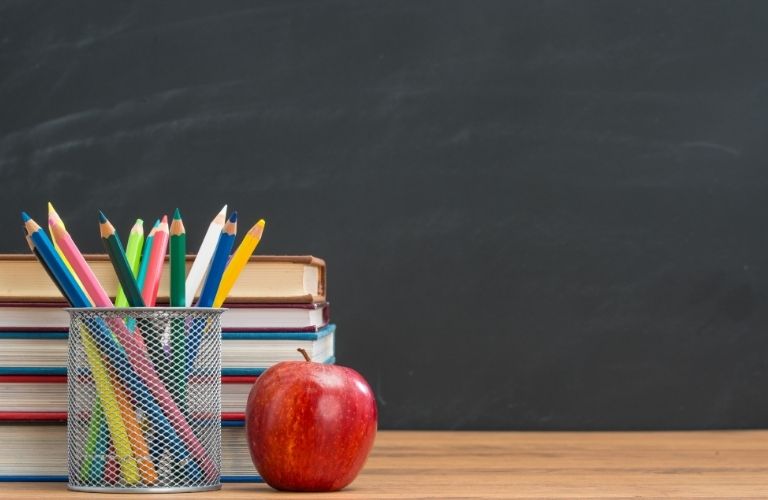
238	261
117	429
53	219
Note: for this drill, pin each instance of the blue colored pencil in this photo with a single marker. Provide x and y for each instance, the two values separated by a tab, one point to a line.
145	256
211	286
73	293
218	262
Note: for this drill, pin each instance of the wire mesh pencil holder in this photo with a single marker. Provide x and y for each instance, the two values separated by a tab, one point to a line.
144	399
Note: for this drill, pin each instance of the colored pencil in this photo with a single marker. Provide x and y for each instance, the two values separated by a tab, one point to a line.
138	443
40	260
203	258
178	260
219	262
178	245
53	215
80	266
140	278
110	469
155	267
133	254
119	261
238	261
117	429
93	466
72	291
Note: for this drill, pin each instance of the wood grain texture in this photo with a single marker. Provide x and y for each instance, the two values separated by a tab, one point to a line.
529	465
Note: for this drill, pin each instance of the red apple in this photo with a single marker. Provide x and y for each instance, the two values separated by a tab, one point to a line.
310	426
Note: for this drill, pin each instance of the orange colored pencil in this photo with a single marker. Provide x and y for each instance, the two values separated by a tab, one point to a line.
136	435
156	260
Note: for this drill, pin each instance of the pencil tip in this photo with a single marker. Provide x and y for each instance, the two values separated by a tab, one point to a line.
176	214
139	222
261	222
157	223
25	216
102	217
164	220
50	208
233	217
223	210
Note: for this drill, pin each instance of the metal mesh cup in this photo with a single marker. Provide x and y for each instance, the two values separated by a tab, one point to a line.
144	399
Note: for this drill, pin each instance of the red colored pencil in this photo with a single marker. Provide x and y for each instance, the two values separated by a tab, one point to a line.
156	260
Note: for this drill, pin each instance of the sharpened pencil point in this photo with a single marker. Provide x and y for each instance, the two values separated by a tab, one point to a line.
102	217
138	227
233	217
177	214
164	220
157	223
25	216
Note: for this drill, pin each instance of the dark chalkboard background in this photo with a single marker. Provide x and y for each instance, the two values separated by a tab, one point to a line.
536	215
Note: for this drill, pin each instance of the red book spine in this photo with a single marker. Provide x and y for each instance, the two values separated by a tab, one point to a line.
33	416
33	379
233	416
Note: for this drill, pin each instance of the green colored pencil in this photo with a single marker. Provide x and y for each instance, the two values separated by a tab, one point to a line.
133	254
178	244
92	467
119	262
178	260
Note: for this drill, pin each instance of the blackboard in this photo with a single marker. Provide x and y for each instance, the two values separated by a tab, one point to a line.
536	215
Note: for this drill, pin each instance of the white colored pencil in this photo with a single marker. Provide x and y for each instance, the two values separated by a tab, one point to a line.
203	259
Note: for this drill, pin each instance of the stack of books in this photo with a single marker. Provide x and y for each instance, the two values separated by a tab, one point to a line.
277	306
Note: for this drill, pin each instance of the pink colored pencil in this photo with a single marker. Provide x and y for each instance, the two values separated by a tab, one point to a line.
156	260
83	271
137	355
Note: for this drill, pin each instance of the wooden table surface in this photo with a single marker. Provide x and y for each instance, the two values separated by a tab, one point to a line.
679	465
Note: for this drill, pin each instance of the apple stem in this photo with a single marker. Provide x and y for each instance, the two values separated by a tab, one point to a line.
304	353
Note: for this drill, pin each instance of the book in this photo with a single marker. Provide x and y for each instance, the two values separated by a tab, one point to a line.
242	353
265	278
52	317
35	397
37	451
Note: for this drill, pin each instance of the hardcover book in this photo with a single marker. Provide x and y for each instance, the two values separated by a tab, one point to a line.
37	451
24	397
52	317
242	353
265	278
